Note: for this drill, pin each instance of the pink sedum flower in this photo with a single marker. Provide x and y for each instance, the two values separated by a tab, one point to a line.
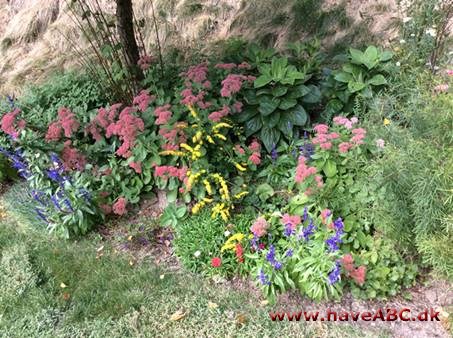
119	208
259	227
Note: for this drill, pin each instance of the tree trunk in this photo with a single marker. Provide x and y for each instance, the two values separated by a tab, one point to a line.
125	19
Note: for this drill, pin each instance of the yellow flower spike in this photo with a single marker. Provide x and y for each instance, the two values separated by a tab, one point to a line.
241	194
210	140
172	152
239	167
186	146
387	122
221	125
229	246
208	200
220	136
224	216
207	186
193	112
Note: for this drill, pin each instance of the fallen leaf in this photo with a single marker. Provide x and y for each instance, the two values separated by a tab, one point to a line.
129	238
63	285
241	319
100	249
131	263
264	302
161	276
178	315
66	296
212	305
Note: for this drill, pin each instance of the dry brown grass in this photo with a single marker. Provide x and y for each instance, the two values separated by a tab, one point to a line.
32	44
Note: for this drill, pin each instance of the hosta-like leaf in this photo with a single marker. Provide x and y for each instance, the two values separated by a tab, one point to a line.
378	80
298	91
272	120
262	80
314	96
287	103
356	86
356	56
253	125
279	91
269	137
267	106
246	115
343	77
298	116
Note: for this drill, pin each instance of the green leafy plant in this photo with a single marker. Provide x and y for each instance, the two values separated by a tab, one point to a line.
360	77
275	107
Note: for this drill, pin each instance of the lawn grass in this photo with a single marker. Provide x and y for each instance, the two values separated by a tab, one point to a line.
56	288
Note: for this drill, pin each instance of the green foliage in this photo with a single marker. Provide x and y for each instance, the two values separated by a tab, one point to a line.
359	78
76	91
200	238
275	107
172	215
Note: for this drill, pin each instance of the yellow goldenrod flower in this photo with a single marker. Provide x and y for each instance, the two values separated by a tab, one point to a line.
241	194
181	125
220	136
193	112
197	137
186	146
236	237
220	125
239	167
172	152
228	246
387	122
207	186
210	140
208	200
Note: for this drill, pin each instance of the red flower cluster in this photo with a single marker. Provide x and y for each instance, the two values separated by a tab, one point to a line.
216	262
163	114
197	73
8	123
119	208
145	62
303	171
66	122
126	128
233	84
72	159
142	100
137	166
255	147
170	171
218	115
240	253
358	274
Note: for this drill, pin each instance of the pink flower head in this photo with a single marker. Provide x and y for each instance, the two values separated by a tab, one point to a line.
291	221
225	66
145	62
303	171
244	65
72	159
380	143
325	214
255	146
442	88
321	129
119	208
259	227
9	125
333	136
215	116
449	72
142	100
326	145
137	166
359	131
198	73
238	106
239	149
106	209
358	139
344	147
255	158
232	84
163	114
354	120
207	84
126	128
68	121
319	181
320	138
54	132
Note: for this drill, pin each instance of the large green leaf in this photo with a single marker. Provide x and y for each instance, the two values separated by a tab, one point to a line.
298	116
356	86
262	80
272	120
371	57
298	91
343	77
250	97
285	125
267	105
264	191
269	137
378	80
287	103
314	96
279	91
279	68
385	56
356	56
253	125
246	114
330	168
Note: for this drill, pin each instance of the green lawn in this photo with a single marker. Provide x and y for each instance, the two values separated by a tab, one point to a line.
53	288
